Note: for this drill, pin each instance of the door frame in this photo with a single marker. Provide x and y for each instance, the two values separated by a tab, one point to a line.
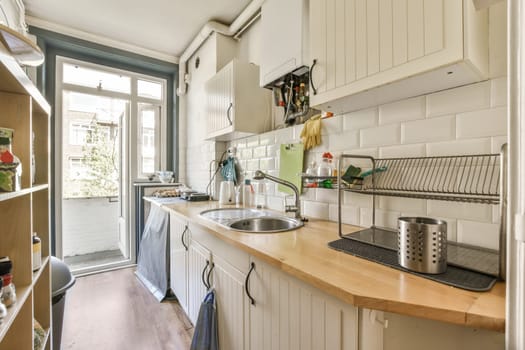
131	134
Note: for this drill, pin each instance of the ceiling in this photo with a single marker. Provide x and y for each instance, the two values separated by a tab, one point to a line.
164	26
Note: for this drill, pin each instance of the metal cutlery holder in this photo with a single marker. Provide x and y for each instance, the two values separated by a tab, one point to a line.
465	178
422	244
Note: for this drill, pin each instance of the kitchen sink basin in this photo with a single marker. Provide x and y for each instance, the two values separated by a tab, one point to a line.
251	220
266	224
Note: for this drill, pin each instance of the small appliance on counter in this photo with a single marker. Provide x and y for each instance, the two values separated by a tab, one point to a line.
194	196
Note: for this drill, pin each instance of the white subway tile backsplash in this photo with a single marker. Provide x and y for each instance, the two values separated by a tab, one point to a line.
296	129
399	204
252	141
466	211
349	214
241	143
246	153
461	99
445	123
497	143
410	109
284	135
459	147
272	150
357	199
487	122
275	203
498	92
429	130
267	139
479	234
362	119
332	125
252	164
343	141
316	210
267	164
308	194
416	150
326	195
384	218
381	136
259	152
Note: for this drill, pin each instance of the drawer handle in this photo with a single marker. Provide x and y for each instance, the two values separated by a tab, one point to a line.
209	274
246	288
228	112
182	238
311	78
203	275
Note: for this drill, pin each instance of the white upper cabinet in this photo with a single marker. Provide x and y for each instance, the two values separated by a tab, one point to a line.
368	52
236	106
284	38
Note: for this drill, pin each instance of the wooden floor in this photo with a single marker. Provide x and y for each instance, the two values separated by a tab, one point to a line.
114	311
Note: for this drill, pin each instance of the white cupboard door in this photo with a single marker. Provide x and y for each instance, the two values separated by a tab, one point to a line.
359	45
232	306
289	315
220	109
199	263
179	240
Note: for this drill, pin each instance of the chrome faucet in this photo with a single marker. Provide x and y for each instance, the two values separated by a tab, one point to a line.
259	175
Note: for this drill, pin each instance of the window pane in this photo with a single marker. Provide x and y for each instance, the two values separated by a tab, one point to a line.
149	133
77	75
90	146
149	89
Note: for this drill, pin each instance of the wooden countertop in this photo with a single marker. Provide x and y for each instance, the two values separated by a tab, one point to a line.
304	254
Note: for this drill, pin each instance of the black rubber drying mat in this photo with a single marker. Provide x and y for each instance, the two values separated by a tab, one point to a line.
454	276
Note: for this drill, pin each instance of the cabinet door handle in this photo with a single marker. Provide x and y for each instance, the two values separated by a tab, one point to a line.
209	274
228	112
182	238
311	78
246	288
203	275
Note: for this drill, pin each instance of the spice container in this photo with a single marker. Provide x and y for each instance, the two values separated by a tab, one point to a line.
37	252
10	166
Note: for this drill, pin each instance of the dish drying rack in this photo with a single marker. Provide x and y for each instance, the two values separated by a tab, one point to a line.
473	179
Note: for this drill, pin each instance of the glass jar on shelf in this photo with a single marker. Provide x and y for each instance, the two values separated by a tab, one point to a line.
10	165
326	167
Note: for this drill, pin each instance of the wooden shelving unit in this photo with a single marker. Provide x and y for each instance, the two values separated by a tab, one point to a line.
25	110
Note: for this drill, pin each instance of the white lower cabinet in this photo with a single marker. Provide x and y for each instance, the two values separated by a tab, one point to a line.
232	305
289	314
199	263
179	240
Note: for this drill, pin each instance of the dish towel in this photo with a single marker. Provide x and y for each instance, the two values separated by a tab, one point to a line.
206	334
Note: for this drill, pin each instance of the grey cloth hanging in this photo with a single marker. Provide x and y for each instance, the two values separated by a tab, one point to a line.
206	334
153	259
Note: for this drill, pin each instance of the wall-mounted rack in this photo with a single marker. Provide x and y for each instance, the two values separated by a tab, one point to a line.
465	178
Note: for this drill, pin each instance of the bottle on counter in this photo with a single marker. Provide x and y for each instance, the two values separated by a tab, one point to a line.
247	193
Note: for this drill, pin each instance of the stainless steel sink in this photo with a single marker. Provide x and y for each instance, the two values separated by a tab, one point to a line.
251	220
266	224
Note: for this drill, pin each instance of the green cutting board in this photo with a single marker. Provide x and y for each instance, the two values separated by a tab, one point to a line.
291	165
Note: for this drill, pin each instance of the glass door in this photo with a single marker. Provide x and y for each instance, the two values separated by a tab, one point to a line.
98	159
